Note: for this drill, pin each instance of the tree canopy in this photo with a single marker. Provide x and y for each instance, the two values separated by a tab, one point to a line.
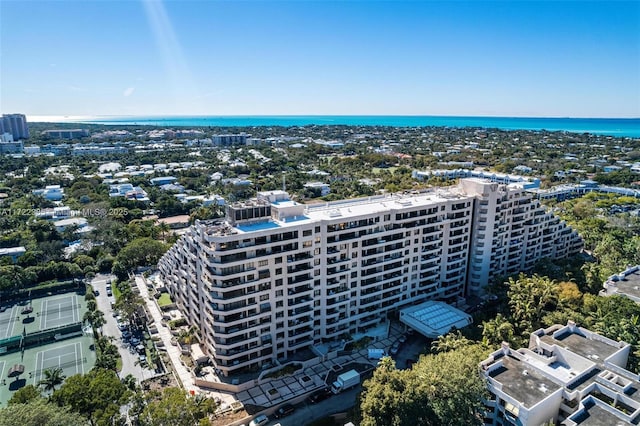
441	389
39	411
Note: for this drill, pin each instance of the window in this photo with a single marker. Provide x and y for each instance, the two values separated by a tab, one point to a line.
263	263
307	244
279	293
306	232
354	245
264	297
317	230
278	271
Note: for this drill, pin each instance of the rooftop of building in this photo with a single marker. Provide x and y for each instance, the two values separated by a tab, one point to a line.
12	250
595	350
522	382
626	283
595	415
342	209
433	319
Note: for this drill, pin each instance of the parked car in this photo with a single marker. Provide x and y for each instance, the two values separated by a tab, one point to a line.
402	338
320	395
284	411
259	420
394	348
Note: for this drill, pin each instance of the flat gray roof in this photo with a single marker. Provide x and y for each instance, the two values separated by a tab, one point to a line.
594	350
629	286
522	382
597	416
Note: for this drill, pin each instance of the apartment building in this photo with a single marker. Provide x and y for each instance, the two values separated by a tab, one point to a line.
16	124
626	283
277	276
512	232
568	375
66	133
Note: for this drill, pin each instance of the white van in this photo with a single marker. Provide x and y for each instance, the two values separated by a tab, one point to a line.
377	353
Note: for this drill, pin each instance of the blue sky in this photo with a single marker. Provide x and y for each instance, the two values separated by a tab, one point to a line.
109	57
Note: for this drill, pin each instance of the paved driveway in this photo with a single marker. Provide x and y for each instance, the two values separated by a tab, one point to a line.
110	328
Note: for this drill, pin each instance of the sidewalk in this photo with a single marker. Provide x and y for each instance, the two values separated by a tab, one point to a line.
184	375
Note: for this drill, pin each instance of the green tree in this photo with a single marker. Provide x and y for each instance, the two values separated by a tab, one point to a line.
529	298
441	389
450	341
52	378
96	395
176	408
140	252
25	394
497	330
39	412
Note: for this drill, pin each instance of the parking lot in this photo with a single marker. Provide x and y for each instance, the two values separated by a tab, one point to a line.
128	344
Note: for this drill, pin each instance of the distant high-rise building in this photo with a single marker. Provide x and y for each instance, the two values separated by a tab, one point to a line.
16	124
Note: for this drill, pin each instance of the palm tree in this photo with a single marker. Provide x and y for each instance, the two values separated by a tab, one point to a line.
450	341
52	378
497	330
164	227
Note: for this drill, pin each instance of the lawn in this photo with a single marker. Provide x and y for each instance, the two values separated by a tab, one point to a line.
164	300
116	291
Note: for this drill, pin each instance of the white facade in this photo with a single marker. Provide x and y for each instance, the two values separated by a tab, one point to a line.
278	276
51	192
568	375
512	232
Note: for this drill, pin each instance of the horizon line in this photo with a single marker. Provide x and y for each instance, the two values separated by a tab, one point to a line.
85	117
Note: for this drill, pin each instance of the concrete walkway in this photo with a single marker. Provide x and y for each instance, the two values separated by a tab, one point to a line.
184	375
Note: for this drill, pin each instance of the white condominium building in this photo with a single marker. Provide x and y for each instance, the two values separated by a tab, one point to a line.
568	375
277	276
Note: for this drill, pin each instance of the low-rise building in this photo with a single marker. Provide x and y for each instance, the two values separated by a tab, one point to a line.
51	192
163	180
318	188
65	133
567	375
626	283
13	252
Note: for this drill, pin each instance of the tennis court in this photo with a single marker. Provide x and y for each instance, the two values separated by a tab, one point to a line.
59	311
68	357
8	320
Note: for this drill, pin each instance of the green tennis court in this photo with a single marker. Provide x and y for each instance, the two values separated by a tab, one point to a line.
68	357
59	311
8	320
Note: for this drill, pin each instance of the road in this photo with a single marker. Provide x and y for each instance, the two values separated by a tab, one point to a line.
306	413
110	328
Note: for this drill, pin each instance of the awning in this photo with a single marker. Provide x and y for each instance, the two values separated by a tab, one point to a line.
433	319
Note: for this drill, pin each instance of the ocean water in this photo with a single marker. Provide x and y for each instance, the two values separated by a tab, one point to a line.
622	127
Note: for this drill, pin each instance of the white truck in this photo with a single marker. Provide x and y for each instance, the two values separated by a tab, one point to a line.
345	381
